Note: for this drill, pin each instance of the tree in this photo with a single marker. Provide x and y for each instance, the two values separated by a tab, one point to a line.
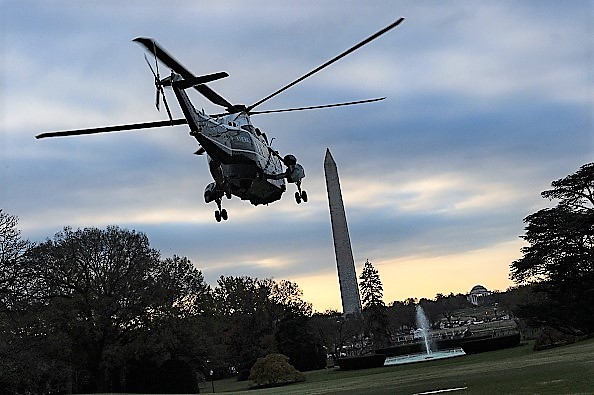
372	291
374	309
559	259
294	338
250	311
286	297
182	324
291	317
401	315
97	292
326	327
96	289
12	250
246	328
22	363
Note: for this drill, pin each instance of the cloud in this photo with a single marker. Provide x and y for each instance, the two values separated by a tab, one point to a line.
486	105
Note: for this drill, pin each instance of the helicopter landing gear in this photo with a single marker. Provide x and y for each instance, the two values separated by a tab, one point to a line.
300	195
221	213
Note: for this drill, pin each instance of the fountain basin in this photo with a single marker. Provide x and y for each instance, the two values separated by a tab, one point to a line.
423	356
361	362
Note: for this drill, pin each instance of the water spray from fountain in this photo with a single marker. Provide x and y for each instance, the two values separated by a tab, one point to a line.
424	326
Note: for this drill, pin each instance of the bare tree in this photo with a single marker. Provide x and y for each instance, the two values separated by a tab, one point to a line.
12	250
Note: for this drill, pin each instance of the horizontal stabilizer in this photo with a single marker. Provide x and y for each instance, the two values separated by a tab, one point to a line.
203	79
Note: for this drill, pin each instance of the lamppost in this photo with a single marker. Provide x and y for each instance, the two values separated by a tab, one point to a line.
210	373
212	380
338	350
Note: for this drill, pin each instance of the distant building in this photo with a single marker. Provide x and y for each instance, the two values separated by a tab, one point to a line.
478	294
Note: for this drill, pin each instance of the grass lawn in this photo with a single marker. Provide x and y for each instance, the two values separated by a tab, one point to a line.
518	370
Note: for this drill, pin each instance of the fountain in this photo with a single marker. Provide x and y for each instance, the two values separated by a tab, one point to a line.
431	352
424	327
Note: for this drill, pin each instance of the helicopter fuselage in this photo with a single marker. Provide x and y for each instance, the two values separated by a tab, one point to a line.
240	158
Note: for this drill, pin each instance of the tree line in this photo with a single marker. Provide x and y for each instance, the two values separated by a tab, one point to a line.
99	310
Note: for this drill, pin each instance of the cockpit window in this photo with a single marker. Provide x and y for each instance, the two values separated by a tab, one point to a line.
249	128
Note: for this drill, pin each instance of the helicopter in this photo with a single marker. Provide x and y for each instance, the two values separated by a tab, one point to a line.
240	157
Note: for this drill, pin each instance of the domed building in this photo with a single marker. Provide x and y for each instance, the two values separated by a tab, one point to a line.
477	295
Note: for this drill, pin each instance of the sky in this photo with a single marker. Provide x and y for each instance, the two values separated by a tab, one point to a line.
486	104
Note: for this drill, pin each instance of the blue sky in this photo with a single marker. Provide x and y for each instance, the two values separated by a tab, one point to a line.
487	103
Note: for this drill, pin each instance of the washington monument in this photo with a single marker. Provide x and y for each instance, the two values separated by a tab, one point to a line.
349	289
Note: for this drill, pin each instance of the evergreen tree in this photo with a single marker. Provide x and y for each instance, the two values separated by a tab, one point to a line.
372	290
559	259
374	308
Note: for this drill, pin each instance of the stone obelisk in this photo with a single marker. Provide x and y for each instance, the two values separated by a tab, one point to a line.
349	289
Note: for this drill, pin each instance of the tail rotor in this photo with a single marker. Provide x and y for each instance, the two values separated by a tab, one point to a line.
158	87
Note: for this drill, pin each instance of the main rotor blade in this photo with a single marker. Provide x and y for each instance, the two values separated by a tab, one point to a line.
316	107
328	63
115	128
152	46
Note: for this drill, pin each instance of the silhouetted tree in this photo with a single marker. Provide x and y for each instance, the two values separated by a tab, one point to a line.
246	328
98	287
183	325
286	297
250	311
401	315
99	310
445	306
326	328
13	282
559	260
24	363
372	291
295	339
96	293
374	308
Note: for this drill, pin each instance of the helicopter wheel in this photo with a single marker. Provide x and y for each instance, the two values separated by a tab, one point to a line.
304	196
224	214
218	215
297	197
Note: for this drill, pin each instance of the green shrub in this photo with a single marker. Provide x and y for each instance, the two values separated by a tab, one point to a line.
550	337
274	370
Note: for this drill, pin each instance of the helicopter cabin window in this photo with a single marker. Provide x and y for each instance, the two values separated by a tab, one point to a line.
249	128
